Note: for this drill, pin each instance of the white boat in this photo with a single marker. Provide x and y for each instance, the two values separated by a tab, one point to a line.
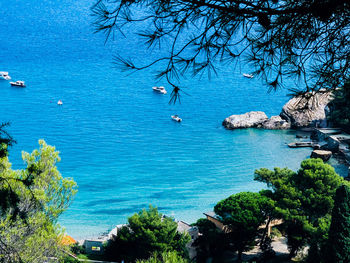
249	76
176	118
4	75
160	89
18	83
59	102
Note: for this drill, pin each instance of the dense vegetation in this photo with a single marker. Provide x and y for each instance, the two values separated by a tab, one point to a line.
304	200
211	243
340	108
34	199
165	257
244	213
150	232
9	199
338	249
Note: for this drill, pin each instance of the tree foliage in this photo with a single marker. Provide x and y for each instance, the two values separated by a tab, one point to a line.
53	192
150	232
33	235
8	197
304	199
210	243
244	213
307	39
339	232
340	107
6	140
165	257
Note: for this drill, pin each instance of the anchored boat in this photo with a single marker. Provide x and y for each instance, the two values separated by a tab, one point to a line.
18	83
176	118
4	75
249	76
160	89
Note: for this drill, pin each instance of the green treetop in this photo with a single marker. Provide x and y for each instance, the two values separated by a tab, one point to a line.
340	107
304	199
243	213
210	243
149	232
32	234
339	232
165	257
53	192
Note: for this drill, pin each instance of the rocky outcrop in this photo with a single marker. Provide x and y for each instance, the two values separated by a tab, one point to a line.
248	120
255	119
324	155
308	110
276	123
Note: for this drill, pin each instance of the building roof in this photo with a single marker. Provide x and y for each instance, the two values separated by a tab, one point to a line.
183	227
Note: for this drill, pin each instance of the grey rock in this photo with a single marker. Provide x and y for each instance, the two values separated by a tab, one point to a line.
248	120
308	110
276	123
324	155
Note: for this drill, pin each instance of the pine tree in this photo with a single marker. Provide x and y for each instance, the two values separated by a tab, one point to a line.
148	232
339	232
340	107
305	40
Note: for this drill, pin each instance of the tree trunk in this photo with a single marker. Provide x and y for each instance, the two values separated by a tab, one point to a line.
265	231
240	256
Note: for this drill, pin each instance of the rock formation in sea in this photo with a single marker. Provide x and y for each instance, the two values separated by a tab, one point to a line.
276	123
255	119
248	120
308	110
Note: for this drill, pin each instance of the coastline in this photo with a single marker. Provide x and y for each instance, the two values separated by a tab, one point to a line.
234	178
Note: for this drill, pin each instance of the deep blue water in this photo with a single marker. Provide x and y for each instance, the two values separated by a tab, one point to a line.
114	134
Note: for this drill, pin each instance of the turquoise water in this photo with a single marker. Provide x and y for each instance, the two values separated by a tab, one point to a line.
115	135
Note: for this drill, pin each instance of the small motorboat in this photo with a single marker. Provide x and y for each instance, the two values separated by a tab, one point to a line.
59	102
160	89
18	83
249	76
176	118
4	75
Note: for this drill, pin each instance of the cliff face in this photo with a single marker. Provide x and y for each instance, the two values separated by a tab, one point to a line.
307	111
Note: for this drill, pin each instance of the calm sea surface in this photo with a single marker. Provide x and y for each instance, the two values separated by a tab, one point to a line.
114	134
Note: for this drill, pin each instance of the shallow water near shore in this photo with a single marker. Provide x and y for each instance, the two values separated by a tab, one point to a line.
115	134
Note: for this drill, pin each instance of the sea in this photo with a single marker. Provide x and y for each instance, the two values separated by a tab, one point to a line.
114	134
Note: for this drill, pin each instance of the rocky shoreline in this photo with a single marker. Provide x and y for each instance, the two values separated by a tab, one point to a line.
304	112
309	110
